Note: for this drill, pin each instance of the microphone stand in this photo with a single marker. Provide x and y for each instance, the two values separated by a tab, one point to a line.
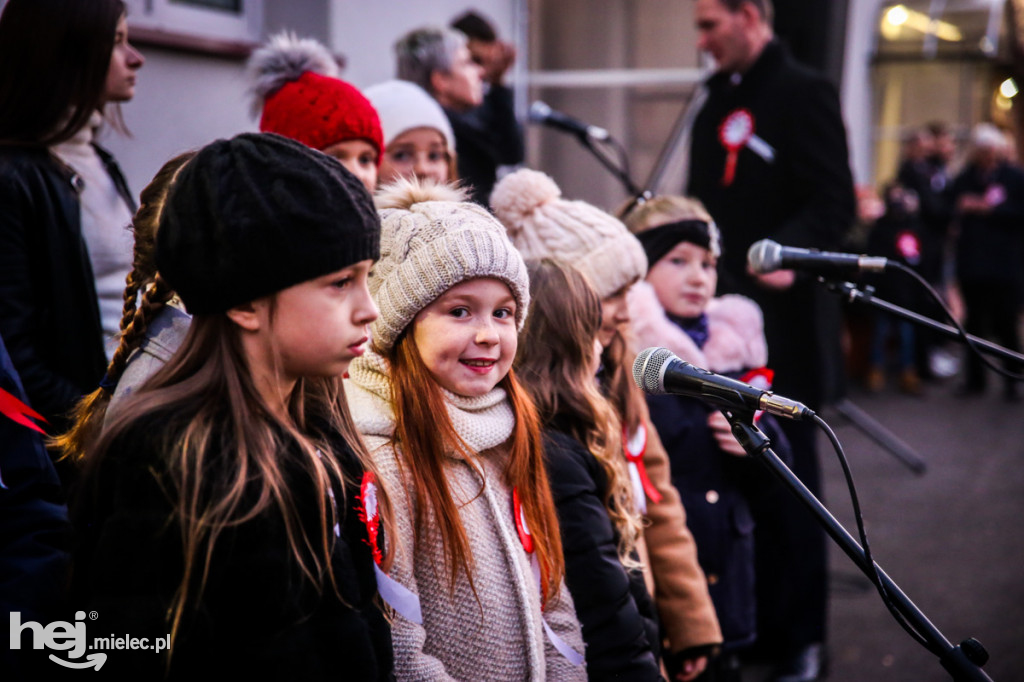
618	171
962	661
850	292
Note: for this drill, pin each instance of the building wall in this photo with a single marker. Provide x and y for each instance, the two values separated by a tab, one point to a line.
186	99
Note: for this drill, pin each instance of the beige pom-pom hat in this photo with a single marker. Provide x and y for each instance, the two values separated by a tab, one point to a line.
542	224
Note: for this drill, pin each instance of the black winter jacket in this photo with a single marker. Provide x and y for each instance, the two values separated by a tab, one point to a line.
49	313
620	626
259	617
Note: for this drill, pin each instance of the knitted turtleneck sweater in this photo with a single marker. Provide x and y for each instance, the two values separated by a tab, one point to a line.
499	637
104	218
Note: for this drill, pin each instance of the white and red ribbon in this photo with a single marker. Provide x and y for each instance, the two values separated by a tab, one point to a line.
526	538
735	133
399	597
635	447
761	378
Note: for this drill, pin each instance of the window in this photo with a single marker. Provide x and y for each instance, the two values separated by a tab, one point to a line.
218	26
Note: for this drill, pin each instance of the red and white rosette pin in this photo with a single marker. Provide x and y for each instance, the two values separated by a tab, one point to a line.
761	378
526	538
404	601
734	134
635	447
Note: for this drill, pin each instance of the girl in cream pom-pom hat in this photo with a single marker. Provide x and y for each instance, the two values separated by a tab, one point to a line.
478	557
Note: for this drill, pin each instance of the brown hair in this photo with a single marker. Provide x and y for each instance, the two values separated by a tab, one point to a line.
556	366
422	426
55	56
88	415
216	420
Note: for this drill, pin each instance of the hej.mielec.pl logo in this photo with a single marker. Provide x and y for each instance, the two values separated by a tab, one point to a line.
71	637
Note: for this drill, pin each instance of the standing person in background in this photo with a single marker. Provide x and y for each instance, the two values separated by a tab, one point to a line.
418	140
769	160
439	61
924	171
542	224
488	136
590	482
297	93
989	199
64	249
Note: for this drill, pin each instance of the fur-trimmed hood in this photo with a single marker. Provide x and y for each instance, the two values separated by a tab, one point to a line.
736	331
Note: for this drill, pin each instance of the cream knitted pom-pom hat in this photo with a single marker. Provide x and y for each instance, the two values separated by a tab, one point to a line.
432	238
544	225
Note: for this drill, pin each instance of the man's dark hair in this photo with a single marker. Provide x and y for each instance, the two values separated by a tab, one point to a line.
475	26
764	7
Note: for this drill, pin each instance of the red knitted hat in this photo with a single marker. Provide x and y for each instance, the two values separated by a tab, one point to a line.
319	111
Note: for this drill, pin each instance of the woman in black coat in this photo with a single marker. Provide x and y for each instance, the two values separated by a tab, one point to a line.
597	515
55	226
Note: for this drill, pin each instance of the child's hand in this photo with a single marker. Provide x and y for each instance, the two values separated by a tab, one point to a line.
778	280
723	435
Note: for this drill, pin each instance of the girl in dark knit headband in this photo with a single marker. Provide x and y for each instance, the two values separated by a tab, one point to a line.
220	509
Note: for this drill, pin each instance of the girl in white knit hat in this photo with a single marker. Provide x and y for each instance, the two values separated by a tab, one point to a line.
542	224
477	552
418	139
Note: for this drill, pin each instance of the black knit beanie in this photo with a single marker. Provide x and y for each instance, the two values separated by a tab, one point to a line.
250	216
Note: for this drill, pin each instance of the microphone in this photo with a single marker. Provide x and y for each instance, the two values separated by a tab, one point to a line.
542	113
659	372
767	256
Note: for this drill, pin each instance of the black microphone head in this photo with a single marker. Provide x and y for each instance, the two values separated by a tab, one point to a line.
539	112
649	369
764	256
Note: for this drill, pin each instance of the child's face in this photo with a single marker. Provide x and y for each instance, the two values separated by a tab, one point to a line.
321	325
359	157
420	153
614	314
684	279
467	337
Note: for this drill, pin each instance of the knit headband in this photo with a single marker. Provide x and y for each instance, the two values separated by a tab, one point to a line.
659	240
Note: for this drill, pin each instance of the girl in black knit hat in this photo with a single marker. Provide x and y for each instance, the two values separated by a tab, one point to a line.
220	510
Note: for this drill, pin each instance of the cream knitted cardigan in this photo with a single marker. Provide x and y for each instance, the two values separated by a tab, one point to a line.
501	637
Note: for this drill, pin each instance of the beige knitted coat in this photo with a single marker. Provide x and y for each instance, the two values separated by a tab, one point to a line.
501	637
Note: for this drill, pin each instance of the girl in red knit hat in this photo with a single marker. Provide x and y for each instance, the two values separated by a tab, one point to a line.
298	94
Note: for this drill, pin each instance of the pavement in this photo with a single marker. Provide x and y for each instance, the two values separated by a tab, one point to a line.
950	538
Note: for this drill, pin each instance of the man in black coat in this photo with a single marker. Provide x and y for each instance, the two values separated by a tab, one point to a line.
769	160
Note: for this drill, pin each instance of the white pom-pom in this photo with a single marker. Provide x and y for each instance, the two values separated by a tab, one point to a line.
519	194
283	59
404	193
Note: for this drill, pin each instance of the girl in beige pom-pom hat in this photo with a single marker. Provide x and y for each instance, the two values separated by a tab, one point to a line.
543	224
478	562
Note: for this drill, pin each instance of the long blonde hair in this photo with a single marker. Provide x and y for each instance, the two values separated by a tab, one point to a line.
213	419
555	361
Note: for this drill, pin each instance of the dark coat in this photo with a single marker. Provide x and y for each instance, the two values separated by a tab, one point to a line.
35	536
804	198
930	183
620	627
717	490
49	312
990	247
259	617
485	138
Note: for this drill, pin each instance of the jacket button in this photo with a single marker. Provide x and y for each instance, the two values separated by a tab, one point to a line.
712	579
711	496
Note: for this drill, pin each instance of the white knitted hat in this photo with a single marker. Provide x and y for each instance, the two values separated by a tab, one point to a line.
404	106
431	239
543	225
